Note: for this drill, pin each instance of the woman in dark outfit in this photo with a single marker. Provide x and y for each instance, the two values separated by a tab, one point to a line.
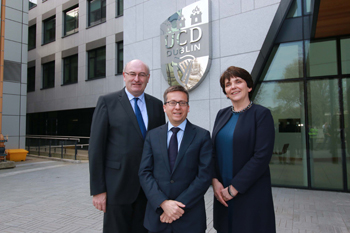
243	138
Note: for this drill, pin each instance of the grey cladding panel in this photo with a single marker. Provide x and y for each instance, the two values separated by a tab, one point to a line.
47	59
69	52
96	44
69	4
12	71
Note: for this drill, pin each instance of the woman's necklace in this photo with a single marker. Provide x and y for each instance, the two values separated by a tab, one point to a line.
246	108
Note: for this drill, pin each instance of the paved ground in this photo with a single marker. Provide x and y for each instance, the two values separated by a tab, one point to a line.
41	195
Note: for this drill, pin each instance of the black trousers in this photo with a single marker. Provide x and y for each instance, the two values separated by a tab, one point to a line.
126	218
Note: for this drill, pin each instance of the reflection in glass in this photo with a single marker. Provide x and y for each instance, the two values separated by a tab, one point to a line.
295	9
346	100
307	8
321	58
71	21
324	134
97	12
286	102
345	55
32	3
285	62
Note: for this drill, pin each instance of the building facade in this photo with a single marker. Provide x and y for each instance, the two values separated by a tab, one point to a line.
298	52
14	94
75	55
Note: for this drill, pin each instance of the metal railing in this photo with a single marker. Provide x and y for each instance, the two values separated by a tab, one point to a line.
64	147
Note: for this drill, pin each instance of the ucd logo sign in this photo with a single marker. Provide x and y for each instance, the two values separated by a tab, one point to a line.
185	45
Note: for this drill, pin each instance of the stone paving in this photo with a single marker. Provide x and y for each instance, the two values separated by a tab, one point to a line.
42	195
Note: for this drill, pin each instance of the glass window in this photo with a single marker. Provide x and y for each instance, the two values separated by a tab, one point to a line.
324	134
49	75
295	9
346	99
120	7
286	102
345	55
119	57
307	8
97	63
321	58
49	30
97	12
285	62
32	3
32	37
71	21
31	79
70	69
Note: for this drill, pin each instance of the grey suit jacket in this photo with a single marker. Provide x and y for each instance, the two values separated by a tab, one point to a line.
116	145
187	183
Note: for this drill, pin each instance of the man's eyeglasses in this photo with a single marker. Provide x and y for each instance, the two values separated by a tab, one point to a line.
174	103
133	75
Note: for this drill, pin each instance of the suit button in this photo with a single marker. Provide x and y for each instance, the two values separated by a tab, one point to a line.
172	181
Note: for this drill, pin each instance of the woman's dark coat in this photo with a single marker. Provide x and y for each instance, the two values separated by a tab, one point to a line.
253	140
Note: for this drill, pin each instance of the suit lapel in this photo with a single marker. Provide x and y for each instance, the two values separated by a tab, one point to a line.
150	113
129	111
187	139
163	144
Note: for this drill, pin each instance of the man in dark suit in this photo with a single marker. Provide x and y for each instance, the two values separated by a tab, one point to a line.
119	125
175	170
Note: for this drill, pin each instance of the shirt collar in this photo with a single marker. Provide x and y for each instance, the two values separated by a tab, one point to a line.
130	96
182	126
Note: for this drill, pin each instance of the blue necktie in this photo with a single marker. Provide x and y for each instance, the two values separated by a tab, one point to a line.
139	118
173	148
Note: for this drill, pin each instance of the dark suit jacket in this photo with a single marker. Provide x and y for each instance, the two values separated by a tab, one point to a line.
252	209
187	183
116	145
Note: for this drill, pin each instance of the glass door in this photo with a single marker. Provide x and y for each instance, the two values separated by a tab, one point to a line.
324	134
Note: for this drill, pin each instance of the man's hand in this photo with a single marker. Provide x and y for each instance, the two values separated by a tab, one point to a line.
165	219
218	187
100	201
172	209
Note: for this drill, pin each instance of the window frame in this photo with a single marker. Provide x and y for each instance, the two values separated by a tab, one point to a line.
95	63
31	79
120	8
31	5
76	29
34	45
50	19
101	20
119	68
45	85
70	81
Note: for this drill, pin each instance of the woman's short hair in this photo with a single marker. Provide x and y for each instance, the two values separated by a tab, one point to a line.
175	88
234	71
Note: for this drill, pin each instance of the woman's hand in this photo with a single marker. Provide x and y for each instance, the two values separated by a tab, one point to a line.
225	194
218	188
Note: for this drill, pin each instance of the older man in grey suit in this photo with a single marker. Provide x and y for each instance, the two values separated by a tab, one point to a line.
120	123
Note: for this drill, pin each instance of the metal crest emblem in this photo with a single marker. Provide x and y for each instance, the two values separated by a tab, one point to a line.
186	45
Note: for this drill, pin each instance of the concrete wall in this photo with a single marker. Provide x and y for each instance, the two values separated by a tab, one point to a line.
15	81
239	28
83	94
